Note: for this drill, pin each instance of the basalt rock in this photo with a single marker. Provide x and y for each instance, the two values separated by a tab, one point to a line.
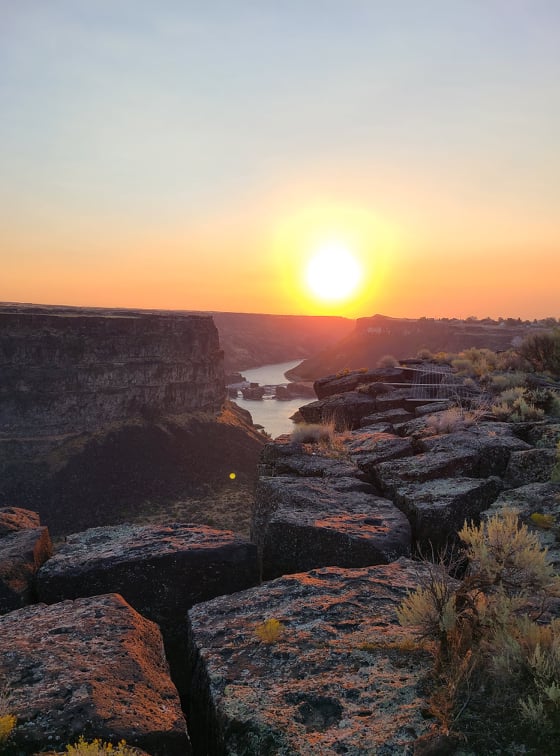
437	509
538	506
24	547
340	384
94	667
530	466
345	410
369	448
161	571
391	417
16	518
492	442
302	523
284	457
341	677
389	476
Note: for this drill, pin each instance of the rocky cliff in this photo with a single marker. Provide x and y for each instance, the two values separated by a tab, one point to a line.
104	413
67	371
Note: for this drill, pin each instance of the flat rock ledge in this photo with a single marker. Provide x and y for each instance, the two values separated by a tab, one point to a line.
299	524
342	678
160	570
92	666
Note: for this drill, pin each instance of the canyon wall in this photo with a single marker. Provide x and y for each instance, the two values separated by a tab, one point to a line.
67	371
104	410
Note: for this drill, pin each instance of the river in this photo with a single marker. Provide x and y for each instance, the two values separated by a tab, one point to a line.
272	414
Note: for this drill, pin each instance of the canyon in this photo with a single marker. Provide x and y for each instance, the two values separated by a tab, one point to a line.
282	640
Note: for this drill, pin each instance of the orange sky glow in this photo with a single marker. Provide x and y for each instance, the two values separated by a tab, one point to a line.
197	159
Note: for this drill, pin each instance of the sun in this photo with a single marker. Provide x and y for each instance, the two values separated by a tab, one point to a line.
333	273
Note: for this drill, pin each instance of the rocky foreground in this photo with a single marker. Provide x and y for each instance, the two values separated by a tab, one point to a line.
310	661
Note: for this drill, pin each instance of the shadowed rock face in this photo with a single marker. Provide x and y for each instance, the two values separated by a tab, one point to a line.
336	681
302	523
92	666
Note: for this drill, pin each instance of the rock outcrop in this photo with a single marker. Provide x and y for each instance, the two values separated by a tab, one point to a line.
24	547
160	571
92	666
342	676
303	523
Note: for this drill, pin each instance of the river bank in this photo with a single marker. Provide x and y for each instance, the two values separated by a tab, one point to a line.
273	414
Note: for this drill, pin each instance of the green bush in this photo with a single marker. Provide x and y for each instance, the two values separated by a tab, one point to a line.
514	406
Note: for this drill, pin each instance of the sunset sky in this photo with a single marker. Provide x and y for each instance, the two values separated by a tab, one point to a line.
186	154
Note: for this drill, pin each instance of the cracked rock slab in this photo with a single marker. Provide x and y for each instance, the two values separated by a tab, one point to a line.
299	524
437	509
342	677
160	570
92	666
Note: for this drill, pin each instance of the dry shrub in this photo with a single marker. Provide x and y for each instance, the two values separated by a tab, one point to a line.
498	666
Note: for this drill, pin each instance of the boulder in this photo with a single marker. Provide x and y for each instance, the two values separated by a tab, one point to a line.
22	552
341	678
437	509
431	408
544	434
367	449
15	518
345	410
530	466
424	467
94	667
283	457
160	570
300	389
300	524
493	442
538	506
390	417
398	399
340	384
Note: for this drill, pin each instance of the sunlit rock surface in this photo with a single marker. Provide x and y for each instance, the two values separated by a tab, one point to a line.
94	667
342	677
24	547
